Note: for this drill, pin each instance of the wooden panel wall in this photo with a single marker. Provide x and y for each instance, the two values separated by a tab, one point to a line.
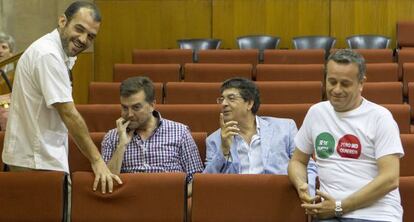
354	17
286	19
83	73
146	24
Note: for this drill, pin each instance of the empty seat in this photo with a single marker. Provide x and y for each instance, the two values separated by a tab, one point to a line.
406	188
297	112
162	56
411	98
377	55
383	92
156	72
368	42
289	72
199	44
77	161
405	33
33	196
247	56
238	198
314	42
404	56
401	114
141	197
382	72
305	56
206	72
407	162
408	75
260	42
99	117
108	92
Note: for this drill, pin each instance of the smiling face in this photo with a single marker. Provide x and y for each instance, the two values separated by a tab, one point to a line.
343	88
78	34
233	106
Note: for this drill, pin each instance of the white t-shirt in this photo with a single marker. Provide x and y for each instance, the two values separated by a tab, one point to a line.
347	146
36	137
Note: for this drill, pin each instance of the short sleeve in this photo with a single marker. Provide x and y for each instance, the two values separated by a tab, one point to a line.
387	138
52	76
303	138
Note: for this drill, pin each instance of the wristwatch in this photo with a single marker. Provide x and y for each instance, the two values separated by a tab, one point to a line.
338	209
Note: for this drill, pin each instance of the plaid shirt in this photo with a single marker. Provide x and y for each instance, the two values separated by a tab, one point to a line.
170	148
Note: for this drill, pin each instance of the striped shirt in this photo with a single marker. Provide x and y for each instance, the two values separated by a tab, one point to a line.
170	148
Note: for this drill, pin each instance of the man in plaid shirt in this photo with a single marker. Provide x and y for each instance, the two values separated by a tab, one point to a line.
145	142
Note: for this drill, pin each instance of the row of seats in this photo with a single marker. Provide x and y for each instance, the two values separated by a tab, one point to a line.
249	56
160	197
279	92
405	33
204	117
78	162
213	72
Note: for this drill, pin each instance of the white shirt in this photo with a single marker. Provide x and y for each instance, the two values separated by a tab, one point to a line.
36	137
250	155
347	146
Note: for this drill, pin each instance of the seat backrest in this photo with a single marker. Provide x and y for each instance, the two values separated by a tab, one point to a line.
108	92
382	72
297	112
77	161
141	197
375	91
404	56
32	196
260	42
405	33
192	92
211	72
200	140
289	92
314	42
259	197
368	42
377	55
289	72
99	117
408	75
305	56
156	72
407	161
406	188
162	56
230	56
401	114
1	150
199	44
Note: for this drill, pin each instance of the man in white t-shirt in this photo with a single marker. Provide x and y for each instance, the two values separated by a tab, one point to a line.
42	112
357	148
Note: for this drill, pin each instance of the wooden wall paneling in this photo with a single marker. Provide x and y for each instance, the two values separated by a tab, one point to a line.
146	24
83	73
353	17
286	19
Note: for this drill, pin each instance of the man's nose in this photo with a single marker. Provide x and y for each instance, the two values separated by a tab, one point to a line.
83	38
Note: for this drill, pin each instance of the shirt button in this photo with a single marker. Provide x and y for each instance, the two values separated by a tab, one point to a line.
146	165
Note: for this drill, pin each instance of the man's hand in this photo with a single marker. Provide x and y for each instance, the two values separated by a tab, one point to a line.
103	175
324	209
124	136
228	130
303	191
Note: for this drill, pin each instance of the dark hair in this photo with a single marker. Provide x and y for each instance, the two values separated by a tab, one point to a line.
134	85
348	56
75	6
248	90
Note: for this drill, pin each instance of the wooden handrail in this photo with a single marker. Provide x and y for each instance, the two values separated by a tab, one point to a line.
11	59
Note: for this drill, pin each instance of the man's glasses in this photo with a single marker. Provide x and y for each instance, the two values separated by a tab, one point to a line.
230	98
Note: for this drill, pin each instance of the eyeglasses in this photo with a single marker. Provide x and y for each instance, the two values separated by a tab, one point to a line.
230	98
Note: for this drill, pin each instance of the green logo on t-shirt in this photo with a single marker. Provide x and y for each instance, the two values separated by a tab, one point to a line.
324	145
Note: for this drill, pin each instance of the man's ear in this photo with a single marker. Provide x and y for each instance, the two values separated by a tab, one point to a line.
62	20
250	104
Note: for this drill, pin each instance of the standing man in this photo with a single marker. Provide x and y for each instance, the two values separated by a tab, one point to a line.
247	143
42	111
357	146
144	141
